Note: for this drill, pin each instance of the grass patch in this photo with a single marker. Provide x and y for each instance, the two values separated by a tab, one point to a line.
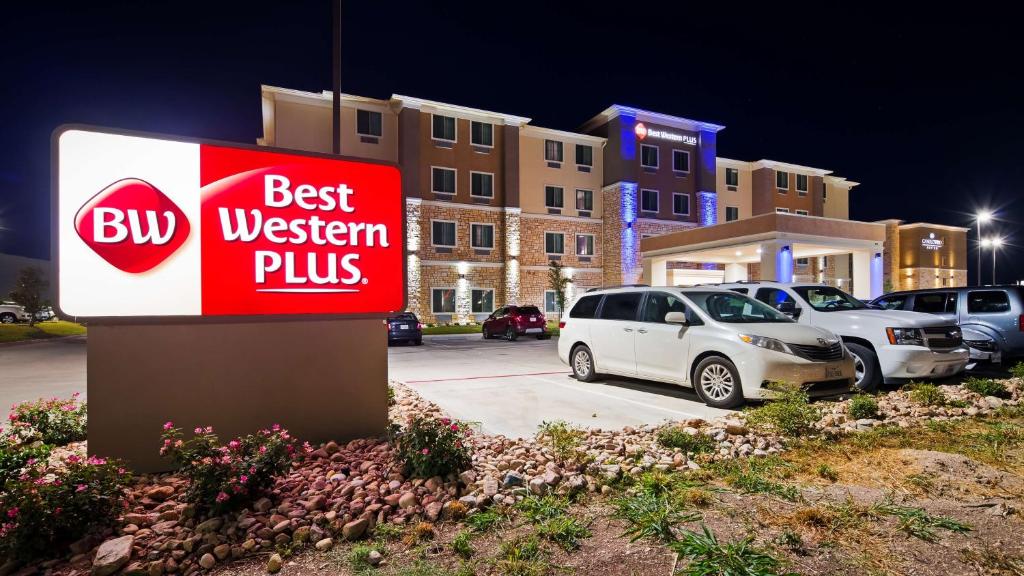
564	531
709	557
472	329
424	568
926	394
462	544
757	476
388	532
650	516
563	439
863	406
359	557
675	437
536	510
827	472
918	523
789	412
522	557
986	387
486	520
1017	371
40	331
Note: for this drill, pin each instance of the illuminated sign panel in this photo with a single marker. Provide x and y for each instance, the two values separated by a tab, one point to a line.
643	132
931	242
148	226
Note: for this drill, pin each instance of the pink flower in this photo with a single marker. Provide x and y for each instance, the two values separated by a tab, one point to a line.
208	429
455	428
263	449
275	427
222	497
74	459
198	430
445	421
168	425
12	512
80	488
243	479
425	451
234	444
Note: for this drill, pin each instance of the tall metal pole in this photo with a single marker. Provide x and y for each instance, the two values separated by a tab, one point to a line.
979	250
336	69
994	248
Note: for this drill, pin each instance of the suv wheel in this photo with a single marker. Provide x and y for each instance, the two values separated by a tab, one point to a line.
582	362
718	383
510	334
7	318
867	374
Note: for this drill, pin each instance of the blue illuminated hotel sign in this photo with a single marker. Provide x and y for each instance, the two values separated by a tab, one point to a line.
643	132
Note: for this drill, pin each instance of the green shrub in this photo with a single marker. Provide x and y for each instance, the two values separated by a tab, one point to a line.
53	421
708	557
827	472
675	437
789	412
46	508
222	478
522	556
926	394
563	439
1018	370
462	544
565	531
15	456
986	387
863	406
430	447
650	516
485	520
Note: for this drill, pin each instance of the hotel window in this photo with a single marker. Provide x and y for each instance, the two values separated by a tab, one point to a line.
732	213
443	128
442	301
648	156
824	191
801	184
803	261
554	243
481	236
481	134
584	155
550	302
802	212
680	161
732	177
553	197
782	180
584	244
585	200
442	233
443	180
649	200
681	204
368	123
481	184
482	300
782	210
552	151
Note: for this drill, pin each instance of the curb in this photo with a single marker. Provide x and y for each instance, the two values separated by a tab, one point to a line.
33	341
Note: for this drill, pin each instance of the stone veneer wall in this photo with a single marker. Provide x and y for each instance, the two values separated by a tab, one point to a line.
891	256
446	275
921	278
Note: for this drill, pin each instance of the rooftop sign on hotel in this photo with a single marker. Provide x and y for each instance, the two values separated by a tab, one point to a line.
643	132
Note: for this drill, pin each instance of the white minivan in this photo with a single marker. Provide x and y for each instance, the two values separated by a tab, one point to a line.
725	345
892	346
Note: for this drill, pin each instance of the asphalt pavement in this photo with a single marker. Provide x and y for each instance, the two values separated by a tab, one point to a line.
41	369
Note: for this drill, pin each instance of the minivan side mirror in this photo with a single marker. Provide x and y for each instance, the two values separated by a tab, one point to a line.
676	318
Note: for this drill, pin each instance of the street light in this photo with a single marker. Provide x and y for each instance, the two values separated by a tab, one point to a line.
983	216
996	243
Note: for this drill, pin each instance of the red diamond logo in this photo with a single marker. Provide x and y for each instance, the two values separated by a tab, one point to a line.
132	225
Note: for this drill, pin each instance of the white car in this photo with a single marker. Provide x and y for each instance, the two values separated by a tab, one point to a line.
11	313
725	345
892	346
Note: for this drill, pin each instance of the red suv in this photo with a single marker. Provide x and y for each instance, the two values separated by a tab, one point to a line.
512	322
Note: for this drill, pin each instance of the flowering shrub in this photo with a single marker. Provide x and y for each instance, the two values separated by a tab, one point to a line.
54	421
15	456
44	508
433	447
225	477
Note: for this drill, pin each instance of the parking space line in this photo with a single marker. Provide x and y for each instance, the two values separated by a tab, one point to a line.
482	377
618	398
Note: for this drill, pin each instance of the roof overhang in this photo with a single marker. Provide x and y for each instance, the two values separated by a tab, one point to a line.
456	110
616	110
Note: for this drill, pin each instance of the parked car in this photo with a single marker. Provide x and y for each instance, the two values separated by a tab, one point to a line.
404	327
890	346
511	322
45	314
991	317
725	345
11	313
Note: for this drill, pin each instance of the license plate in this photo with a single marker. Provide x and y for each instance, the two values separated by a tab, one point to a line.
403	327
997	357
533	318
833	372
533	330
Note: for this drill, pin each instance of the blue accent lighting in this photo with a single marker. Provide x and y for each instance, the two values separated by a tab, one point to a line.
628	137
876	275
784	265
630	247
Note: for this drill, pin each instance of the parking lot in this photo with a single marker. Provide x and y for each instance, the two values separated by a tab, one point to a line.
511	387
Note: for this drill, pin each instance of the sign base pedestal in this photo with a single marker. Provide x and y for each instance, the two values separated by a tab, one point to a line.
320	379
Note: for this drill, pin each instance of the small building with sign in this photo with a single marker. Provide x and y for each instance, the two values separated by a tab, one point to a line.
921	255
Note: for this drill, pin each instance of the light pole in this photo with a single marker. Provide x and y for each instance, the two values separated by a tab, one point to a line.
983	216
996	243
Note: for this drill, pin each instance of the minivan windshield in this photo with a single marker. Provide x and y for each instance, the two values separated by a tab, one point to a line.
828	299
734	308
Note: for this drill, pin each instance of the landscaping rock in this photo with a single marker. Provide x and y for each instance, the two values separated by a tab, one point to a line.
208	526
112	555
354	529
325	544
512	479
274	564
207	561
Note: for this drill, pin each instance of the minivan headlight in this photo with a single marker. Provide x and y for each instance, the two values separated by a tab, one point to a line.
905	336
766	343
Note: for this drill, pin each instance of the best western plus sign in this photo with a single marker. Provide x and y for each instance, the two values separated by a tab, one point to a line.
152	227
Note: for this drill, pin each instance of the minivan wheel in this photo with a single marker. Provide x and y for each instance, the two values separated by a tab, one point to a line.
510	334
582	362
718	383
867	374
7	318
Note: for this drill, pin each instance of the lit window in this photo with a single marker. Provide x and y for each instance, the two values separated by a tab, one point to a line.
680	161
553	197
552	151
443	128
584	244
554	243
443	180
585	200
648	156
368	123
481	236
649	200
732	177
481	134
550	302
481	184
482	301
443	300
782	210
681	204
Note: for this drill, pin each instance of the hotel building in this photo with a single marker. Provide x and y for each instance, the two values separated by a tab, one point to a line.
492	199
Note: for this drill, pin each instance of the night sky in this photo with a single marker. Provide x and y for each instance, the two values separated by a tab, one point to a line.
924	108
